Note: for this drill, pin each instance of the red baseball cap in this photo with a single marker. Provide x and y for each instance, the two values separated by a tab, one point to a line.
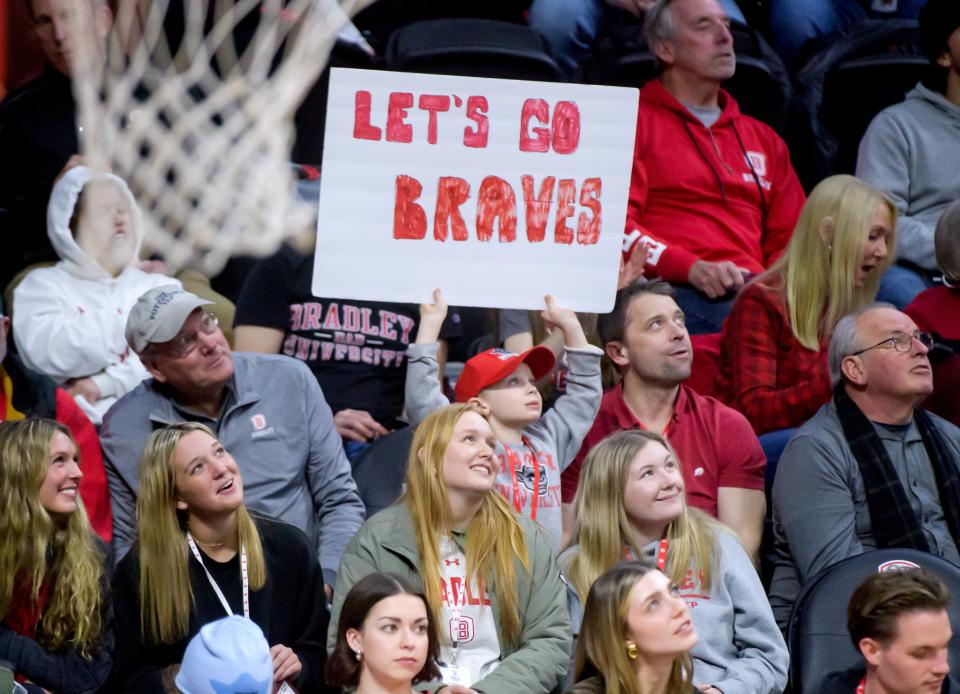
494	365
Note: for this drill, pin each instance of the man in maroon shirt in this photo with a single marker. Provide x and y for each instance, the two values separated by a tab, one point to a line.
721	459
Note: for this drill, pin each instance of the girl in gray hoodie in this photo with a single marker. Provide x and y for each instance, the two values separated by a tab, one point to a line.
630	505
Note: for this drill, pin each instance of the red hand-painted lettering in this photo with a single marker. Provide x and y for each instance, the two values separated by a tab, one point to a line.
537	208
476	108
398	130
362	130
496	201
409	219
451	193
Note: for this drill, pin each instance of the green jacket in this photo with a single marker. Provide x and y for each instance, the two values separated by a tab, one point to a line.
386	543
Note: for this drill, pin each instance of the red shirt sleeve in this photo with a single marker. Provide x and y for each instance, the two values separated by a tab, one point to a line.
786	199
93	487
742	463
664	261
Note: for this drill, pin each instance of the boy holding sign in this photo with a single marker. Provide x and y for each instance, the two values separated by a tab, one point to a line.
531	450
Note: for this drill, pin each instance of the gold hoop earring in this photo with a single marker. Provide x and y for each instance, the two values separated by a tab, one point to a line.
632	651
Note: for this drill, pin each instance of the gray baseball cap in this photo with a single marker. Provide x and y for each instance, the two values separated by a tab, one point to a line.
159	314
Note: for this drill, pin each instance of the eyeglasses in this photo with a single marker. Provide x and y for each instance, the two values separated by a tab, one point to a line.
901	341
184	345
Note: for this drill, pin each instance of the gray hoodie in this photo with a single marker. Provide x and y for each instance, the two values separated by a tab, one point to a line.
555	437
911	152
740	649
69	319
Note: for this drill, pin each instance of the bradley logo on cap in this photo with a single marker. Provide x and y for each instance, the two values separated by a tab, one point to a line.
163	298
502	354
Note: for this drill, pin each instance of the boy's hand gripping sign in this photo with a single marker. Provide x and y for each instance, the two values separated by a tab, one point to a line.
496	191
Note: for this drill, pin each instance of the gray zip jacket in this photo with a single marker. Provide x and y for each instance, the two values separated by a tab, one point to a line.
911	152
740	649
277	425
556	437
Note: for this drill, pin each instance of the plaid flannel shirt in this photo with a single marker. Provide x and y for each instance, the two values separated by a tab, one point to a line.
766	373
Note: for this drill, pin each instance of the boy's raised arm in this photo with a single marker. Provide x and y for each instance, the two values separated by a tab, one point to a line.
423	393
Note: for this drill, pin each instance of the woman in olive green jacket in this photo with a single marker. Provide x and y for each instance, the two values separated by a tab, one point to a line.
488	573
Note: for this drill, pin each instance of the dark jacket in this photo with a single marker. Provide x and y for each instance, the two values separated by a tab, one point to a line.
64	671
38	134
290	609
846	682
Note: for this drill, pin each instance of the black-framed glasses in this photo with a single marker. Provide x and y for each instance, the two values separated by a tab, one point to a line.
901	341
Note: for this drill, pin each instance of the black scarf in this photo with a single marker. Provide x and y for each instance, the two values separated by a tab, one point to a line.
893	521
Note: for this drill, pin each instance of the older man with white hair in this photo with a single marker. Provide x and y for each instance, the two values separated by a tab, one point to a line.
267	410
870	469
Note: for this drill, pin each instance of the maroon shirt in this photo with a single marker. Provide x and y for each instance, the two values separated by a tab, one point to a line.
715	444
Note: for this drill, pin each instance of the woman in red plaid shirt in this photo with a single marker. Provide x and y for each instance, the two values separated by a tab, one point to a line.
774	343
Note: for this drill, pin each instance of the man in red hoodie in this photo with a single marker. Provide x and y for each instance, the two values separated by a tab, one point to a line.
713	196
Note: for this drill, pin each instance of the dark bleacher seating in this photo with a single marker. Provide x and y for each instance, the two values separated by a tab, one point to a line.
760	85
843	85
380	470
817	634
311	116
473	47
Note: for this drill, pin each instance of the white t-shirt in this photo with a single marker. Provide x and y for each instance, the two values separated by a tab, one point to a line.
466	618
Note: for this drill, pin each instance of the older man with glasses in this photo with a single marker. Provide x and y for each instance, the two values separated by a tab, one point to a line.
870	469
267	410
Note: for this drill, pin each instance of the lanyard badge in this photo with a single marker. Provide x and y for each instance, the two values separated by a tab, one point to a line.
213	583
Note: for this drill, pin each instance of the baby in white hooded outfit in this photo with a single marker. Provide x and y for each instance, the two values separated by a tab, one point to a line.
68	320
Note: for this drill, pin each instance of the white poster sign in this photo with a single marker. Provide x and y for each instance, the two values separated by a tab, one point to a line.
496	191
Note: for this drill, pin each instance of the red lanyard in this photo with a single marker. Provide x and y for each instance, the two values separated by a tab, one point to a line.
862	686
661	554
516	462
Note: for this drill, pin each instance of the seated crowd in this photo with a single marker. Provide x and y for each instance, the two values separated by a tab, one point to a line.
178	510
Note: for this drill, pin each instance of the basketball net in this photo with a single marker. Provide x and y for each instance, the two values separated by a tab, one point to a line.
192	103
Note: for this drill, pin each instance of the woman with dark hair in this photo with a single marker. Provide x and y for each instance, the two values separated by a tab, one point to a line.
202	556
54	597
636	635
487	573
386	639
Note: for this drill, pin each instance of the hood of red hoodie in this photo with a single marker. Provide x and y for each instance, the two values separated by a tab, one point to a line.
653	92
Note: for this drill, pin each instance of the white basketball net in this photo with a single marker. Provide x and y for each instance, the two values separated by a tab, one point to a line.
201	130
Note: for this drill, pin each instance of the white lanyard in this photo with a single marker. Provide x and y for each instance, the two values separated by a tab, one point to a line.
213	583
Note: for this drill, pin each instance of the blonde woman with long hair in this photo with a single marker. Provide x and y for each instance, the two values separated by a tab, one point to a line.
54	595
489	577
202	556
773	354
636	635
630	505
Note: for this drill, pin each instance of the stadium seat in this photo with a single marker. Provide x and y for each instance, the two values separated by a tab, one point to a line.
843	85
817	635
473	47
760	85
311	116
380	470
